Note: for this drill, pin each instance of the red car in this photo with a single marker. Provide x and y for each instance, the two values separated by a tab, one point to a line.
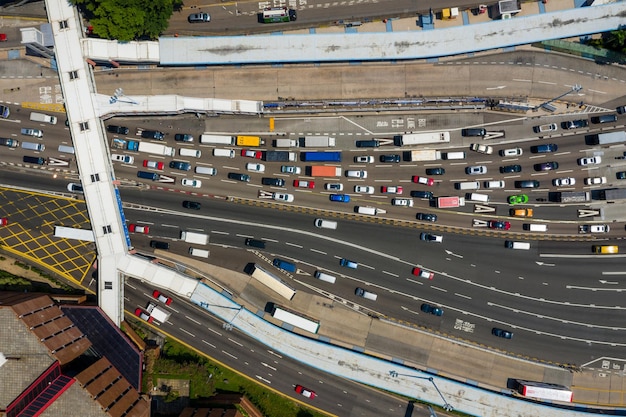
305	392
251	154
143	315
159	296
304	184
4	221
153	164
136	228
392	189
500	225
423	180
418	272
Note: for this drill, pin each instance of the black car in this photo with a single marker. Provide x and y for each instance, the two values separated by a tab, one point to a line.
183	137
435	171
546	166
606	118
152	134
527	184
367	143
620	175
505	334
194	205
278	182
427	308
547	148
120	130
239	177
157	244
255	243
474	132
390	158
510	168
427	217
422	194
181	165
574	124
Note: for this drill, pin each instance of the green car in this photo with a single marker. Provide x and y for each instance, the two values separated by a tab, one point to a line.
518	199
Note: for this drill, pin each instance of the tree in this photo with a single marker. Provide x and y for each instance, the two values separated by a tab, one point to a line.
127	20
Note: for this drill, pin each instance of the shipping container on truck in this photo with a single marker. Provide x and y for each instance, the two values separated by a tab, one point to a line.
159	314
450	202
130	145
207	139
320	156
325	171
607	138
193	237
421	138
613	194
423	155
250	141
573	196
279	156
156	149
319	141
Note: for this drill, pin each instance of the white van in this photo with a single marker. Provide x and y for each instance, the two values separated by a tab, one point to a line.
33	146
453	155
365	294
202	253
533	227
467	185
66	149
483	198
206	170
494	184
517	245
325	224
325	277
189	152
372	211
228	153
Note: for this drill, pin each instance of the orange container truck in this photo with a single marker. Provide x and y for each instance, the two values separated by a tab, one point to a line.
325	171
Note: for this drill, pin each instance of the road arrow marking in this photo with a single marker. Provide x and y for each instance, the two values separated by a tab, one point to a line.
544	264
602	281
453	254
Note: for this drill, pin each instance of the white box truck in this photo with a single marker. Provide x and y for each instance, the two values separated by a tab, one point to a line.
425	155
158	313
319	141
193	237
44	118
285	143
156	149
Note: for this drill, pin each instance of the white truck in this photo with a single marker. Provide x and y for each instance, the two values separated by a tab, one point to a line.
425	155
285	143
319	141
193	237
156	149
157	313
44	118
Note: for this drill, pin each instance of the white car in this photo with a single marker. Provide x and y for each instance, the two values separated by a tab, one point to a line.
404	202
333	187
511	152
563	182
486	149
476	170
290	169
600	228
125	159
283	197
551	127
592	160
187	182
364	189
356	174
368	159
72	187
595	180
255	167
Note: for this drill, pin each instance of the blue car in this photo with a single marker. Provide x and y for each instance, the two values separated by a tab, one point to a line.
342	198
427	308
285	265
348	264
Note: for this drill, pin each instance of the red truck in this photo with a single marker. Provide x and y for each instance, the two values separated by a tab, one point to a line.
325	171
450	202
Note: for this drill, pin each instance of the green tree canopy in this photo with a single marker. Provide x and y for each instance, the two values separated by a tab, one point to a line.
127	20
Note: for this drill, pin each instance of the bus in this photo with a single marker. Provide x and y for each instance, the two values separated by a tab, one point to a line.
271	281
217	139
421	138
278	14
72	233
543	390
291	317
320	156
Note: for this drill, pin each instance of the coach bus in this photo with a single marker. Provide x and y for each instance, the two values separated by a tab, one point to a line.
278	14
271	281
291	317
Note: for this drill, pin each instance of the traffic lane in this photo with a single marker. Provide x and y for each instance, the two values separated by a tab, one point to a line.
206	333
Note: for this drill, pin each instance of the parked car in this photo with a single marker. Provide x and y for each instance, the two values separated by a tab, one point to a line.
364	189
605	118
303	184
162	298
563	182
4	221
120	130
422	273
510	168
499	225
188	182
183	137
546	166
249	153
136	228
423	180
391	189
476	170
435	171
367	159
595	180
551	127
426	217
505	334
592	160
289	169
575	124
427	308
333	187
429	237
305	392
152	134
621	175
389	158
341	198
153	164
480	148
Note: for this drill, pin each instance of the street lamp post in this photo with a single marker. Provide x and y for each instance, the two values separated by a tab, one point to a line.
116	97
446	406
575	89
227	325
